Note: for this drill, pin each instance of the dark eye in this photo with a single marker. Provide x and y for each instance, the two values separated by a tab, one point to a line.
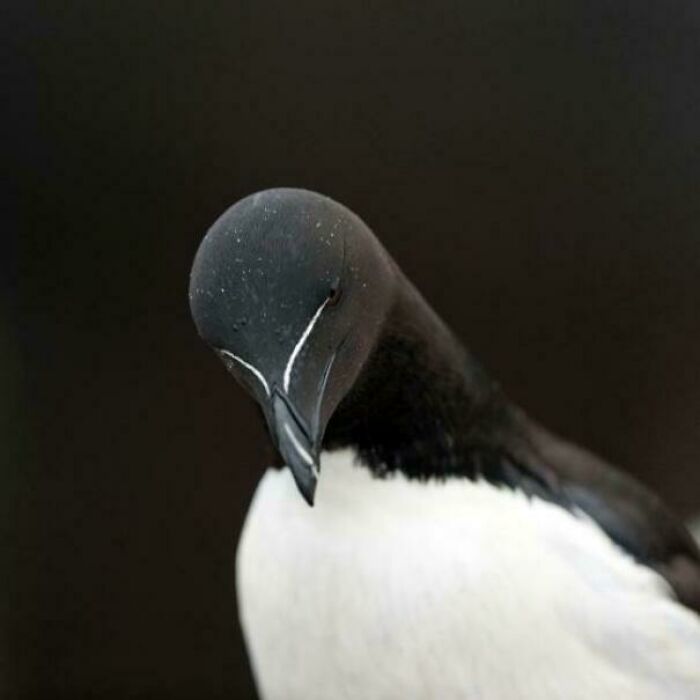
334	295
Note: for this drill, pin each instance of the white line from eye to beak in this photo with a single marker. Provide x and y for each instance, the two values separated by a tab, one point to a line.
254	370
300	448
300	345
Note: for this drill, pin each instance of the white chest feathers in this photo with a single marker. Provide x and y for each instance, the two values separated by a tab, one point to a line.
399	590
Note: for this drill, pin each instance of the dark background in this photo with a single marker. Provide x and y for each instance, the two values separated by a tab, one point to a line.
533	166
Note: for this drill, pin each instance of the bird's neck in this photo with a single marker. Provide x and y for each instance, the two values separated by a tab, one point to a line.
422	405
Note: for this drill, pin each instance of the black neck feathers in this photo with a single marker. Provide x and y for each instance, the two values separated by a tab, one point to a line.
422	405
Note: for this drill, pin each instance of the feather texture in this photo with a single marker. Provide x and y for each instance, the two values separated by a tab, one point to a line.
393	589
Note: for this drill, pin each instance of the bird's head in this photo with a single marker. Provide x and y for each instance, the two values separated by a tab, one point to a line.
291	289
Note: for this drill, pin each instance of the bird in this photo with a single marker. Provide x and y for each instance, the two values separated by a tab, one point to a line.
418	535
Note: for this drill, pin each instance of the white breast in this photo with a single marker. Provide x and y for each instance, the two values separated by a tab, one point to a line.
394	589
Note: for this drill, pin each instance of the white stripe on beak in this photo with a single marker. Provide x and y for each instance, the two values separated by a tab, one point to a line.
300	449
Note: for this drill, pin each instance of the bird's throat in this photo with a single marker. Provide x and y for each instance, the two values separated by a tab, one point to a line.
422	405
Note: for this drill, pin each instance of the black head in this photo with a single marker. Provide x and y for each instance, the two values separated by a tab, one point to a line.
291	289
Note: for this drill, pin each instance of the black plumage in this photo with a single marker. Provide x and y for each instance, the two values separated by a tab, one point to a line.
424	406
389	379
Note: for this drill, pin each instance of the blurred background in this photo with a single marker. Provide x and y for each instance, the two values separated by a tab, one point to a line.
533	166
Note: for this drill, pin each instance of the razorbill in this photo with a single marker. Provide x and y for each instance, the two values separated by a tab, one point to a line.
456	549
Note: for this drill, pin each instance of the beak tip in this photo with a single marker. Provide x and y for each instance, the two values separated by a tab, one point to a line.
299	451
306	483
309	498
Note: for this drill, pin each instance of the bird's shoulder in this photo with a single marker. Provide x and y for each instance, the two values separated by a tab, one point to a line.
632	516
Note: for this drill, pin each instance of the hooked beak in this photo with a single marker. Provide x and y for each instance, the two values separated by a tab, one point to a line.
296	443
297	433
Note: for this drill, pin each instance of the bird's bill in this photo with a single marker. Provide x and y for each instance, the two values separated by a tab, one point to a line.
295	443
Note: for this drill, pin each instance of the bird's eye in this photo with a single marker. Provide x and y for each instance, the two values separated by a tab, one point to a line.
334	295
